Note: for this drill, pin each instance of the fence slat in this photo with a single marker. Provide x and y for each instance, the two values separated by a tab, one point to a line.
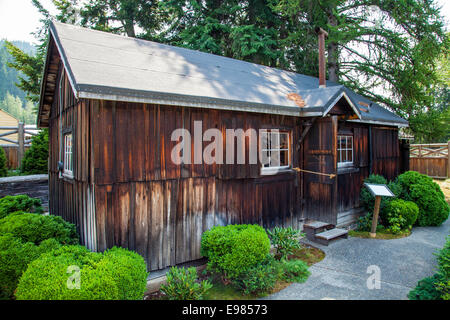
431	159
15	150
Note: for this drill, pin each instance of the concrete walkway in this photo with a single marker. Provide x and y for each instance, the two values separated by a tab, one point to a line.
343	275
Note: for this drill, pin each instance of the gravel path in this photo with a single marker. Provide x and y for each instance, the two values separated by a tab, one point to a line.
343	274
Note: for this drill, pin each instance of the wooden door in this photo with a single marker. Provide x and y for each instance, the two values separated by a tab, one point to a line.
320	155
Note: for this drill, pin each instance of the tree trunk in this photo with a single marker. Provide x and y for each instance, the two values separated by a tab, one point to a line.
332	52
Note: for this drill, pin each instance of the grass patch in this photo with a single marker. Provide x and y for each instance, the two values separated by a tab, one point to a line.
308	254
384	235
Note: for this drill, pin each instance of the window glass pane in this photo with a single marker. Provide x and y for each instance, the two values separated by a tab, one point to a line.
274	158
284	158
349	156
284	140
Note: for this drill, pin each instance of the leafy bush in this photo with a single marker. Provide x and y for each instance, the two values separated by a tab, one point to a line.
109	276
182	284
35	160
31	227
364	223
366	199
294	270
436	287
422	190
285	240
259	279
10	204
3	168
14	259
400	215
233	249
129	269
426	289
444	271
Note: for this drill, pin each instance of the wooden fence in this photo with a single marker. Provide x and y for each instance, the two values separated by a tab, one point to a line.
15	141
431	159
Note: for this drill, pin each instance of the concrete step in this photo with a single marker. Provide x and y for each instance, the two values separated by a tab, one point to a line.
326	236
313	227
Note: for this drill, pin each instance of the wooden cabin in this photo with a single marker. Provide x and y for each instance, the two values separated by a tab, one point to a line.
112	103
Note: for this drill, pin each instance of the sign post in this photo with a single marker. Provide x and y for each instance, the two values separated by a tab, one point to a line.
378	191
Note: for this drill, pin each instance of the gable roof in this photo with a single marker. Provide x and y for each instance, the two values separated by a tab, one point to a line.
106	66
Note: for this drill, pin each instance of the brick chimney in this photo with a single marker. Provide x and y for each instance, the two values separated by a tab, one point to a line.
322	71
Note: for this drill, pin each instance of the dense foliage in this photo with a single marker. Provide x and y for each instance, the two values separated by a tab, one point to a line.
367	200
285	240
15	256
294	270
233	249
74	273
422	190
35	160
3	168
35	228
436	287
183	284
260	278
24	203
400	215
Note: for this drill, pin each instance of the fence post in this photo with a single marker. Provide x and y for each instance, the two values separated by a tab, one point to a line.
21	141
448	159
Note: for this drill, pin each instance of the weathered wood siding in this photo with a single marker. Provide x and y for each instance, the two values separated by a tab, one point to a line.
72	199
147	203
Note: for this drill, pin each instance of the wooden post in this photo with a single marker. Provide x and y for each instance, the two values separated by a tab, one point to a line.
21	141
376	211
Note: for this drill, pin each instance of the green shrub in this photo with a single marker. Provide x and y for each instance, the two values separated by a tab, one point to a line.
182	284
364	223
35	160
259	279
101	276
422	190
444	270
426	289
3	168
233	249
14	259
294	270
129	269
436	287
400	215
285	240
31	227
10	204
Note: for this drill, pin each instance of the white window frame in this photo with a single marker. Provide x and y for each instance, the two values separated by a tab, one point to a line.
277	132
68	155
345	163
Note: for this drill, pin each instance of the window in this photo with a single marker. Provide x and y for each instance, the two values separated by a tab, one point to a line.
68	166
275	150
345	151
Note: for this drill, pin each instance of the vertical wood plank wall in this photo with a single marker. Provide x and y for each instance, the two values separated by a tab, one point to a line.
146	203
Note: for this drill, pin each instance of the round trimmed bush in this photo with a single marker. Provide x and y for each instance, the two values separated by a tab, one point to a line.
400	215
14	259
422	190
10	204
74	273
31	227
233	249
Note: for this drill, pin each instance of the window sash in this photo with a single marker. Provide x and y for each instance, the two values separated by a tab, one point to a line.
68	155
345	150
272	149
